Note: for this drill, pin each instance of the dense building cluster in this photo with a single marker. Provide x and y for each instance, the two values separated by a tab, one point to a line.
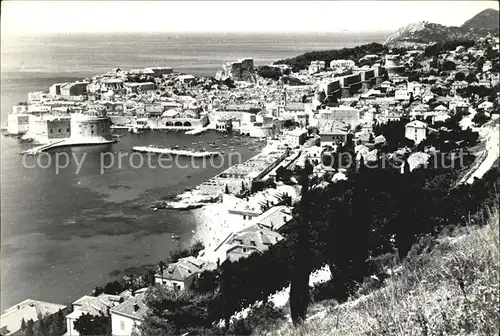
340	106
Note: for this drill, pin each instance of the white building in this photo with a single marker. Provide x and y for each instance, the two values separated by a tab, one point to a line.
341	63
139	87
415	88
55	89
402	94
253	239
295	137
182	274
128	315
416	130
334	132
275	217
93	305
18	123
341	113
316	66
11	318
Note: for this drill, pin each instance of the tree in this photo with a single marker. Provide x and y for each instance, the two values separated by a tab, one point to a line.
414	77
176	312
148	277
303	61
412	99
459	76
470	78
299	287
88	324
29	328
449	65
362	166
406	167
57	325
113	288
480	118
23	325
226	190
263	317
162	267
41	328
269	72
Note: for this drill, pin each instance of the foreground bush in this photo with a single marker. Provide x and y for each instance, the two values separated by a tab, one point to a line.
453	289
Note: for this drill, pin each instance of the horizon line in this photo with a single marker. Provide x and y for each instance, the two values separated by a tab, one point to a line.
173	32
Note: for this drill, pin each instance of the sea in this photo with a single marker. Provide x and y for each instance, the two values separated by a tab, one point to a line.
65	231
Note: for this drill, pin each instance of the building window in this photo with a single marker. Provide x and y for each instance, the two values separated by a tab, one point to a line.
67	129
59	130
122	325
92	132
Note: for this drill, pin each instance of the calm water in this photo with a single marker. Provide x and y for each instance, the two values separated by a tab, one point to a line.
63	233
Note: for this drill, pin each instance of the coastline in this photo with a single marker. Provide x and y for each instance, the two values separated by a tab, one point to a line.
211	219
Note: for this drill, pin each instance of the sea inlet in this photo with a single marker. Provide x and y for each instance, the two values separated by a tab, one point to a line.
63	232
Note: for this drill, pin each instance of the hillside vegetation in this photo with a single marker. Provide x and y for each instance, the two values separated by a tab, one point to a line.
426	32
487	19
302	61
446	286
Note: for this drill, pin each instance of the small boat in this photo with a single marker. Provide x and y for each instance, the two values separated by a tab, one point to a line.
136	131
174	237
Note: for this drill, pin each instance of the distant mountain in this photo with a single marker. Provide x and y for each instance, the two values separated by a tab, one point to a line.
487	19
425	32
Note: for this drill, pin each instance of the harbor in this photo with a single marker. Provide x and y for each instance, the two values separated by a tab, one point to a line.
64	143
173	151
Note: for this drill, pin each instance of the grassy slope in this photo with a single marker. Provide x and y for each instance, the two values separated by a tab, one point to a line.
452	289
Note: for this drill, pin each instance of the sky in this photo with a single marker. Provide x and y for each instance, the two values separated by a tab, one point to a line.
43	17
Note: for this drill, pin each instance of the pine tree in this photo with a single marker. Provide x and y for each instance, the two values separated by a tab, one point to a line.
299	288
406	168
162	266
362	166
227	295
88	324
57	326
42	326
23	325
29	328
